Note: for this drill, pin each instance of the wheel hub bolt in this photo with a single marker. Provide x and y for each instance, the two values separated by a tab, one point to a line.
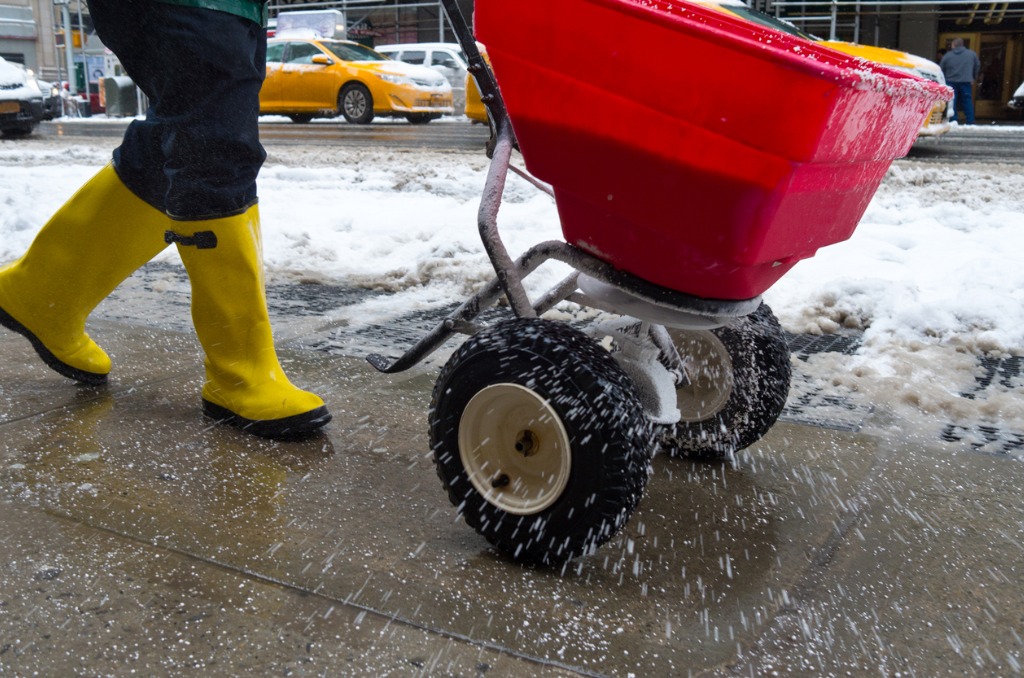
526	443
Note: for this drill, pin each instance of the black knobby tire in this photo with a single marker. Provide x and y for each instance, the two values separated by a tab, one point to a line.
12	132
356	103
739	376
609	440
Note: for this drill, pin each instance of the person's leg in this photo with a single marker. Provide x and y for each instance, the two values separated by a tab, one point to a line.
197	153
968	99
95	241
203	70
963	102
245	385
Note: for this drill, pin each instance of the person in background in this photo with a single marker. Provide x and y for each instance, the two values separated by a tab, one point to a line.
961	67
186	175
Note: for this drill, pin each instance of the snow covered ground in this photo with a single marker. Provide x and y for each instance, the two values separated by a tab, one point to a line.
933	277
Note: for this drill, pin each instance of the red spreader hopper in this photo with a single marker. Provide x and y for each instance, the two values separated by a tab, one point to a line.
693	149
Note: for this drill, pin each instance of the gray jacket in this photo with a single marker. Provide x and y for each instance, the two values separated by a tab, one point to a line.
960	65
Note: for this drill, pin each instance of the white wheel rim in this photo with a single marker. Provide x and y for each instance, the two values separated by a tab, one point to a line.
709	373
514	449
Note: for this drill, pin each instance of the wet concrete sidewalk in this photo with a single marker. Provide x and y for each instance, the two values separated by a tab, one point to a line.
136	537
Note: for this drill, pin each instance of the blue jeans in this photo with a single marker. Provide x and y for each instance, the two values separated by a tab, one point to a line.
963	100
197	153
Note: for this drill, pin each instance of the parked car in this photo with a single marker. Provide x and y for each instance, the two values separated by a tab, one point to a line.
1017	101
446	58
52	107
21	102
322	78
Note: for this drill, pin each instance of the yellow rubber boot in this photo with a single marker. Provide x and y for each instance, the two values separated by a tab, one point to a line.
245	385
96	240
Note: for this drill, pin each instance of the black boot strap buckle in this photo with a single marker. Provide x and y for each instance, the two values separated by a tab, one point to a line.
203	240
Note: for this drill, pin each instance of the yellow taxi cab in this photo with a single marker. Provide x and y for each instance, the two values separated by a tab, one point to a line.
311	77
939	120
937	123
475	109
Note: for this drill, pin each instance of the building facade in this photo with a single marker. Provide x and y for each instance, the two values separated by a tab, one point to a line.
32	33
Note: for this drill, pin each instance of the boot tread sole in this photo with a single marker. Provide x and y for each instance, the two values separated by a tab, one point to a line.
295	426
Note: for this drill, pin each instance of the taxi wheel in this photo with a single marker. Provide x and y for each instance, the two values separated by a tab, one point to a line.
301	118
356	103
421	118
17	131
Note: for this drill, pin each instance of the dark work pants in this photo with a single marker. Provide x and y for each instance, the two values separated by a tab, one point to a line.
197	153
963	101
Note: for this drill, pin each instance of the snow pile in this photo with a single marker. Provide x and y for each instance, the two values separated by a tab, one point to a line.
932	276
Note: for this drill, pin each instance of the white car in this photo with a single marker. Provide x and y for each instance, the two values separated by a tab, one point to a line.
446	58
21	101
1017	100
